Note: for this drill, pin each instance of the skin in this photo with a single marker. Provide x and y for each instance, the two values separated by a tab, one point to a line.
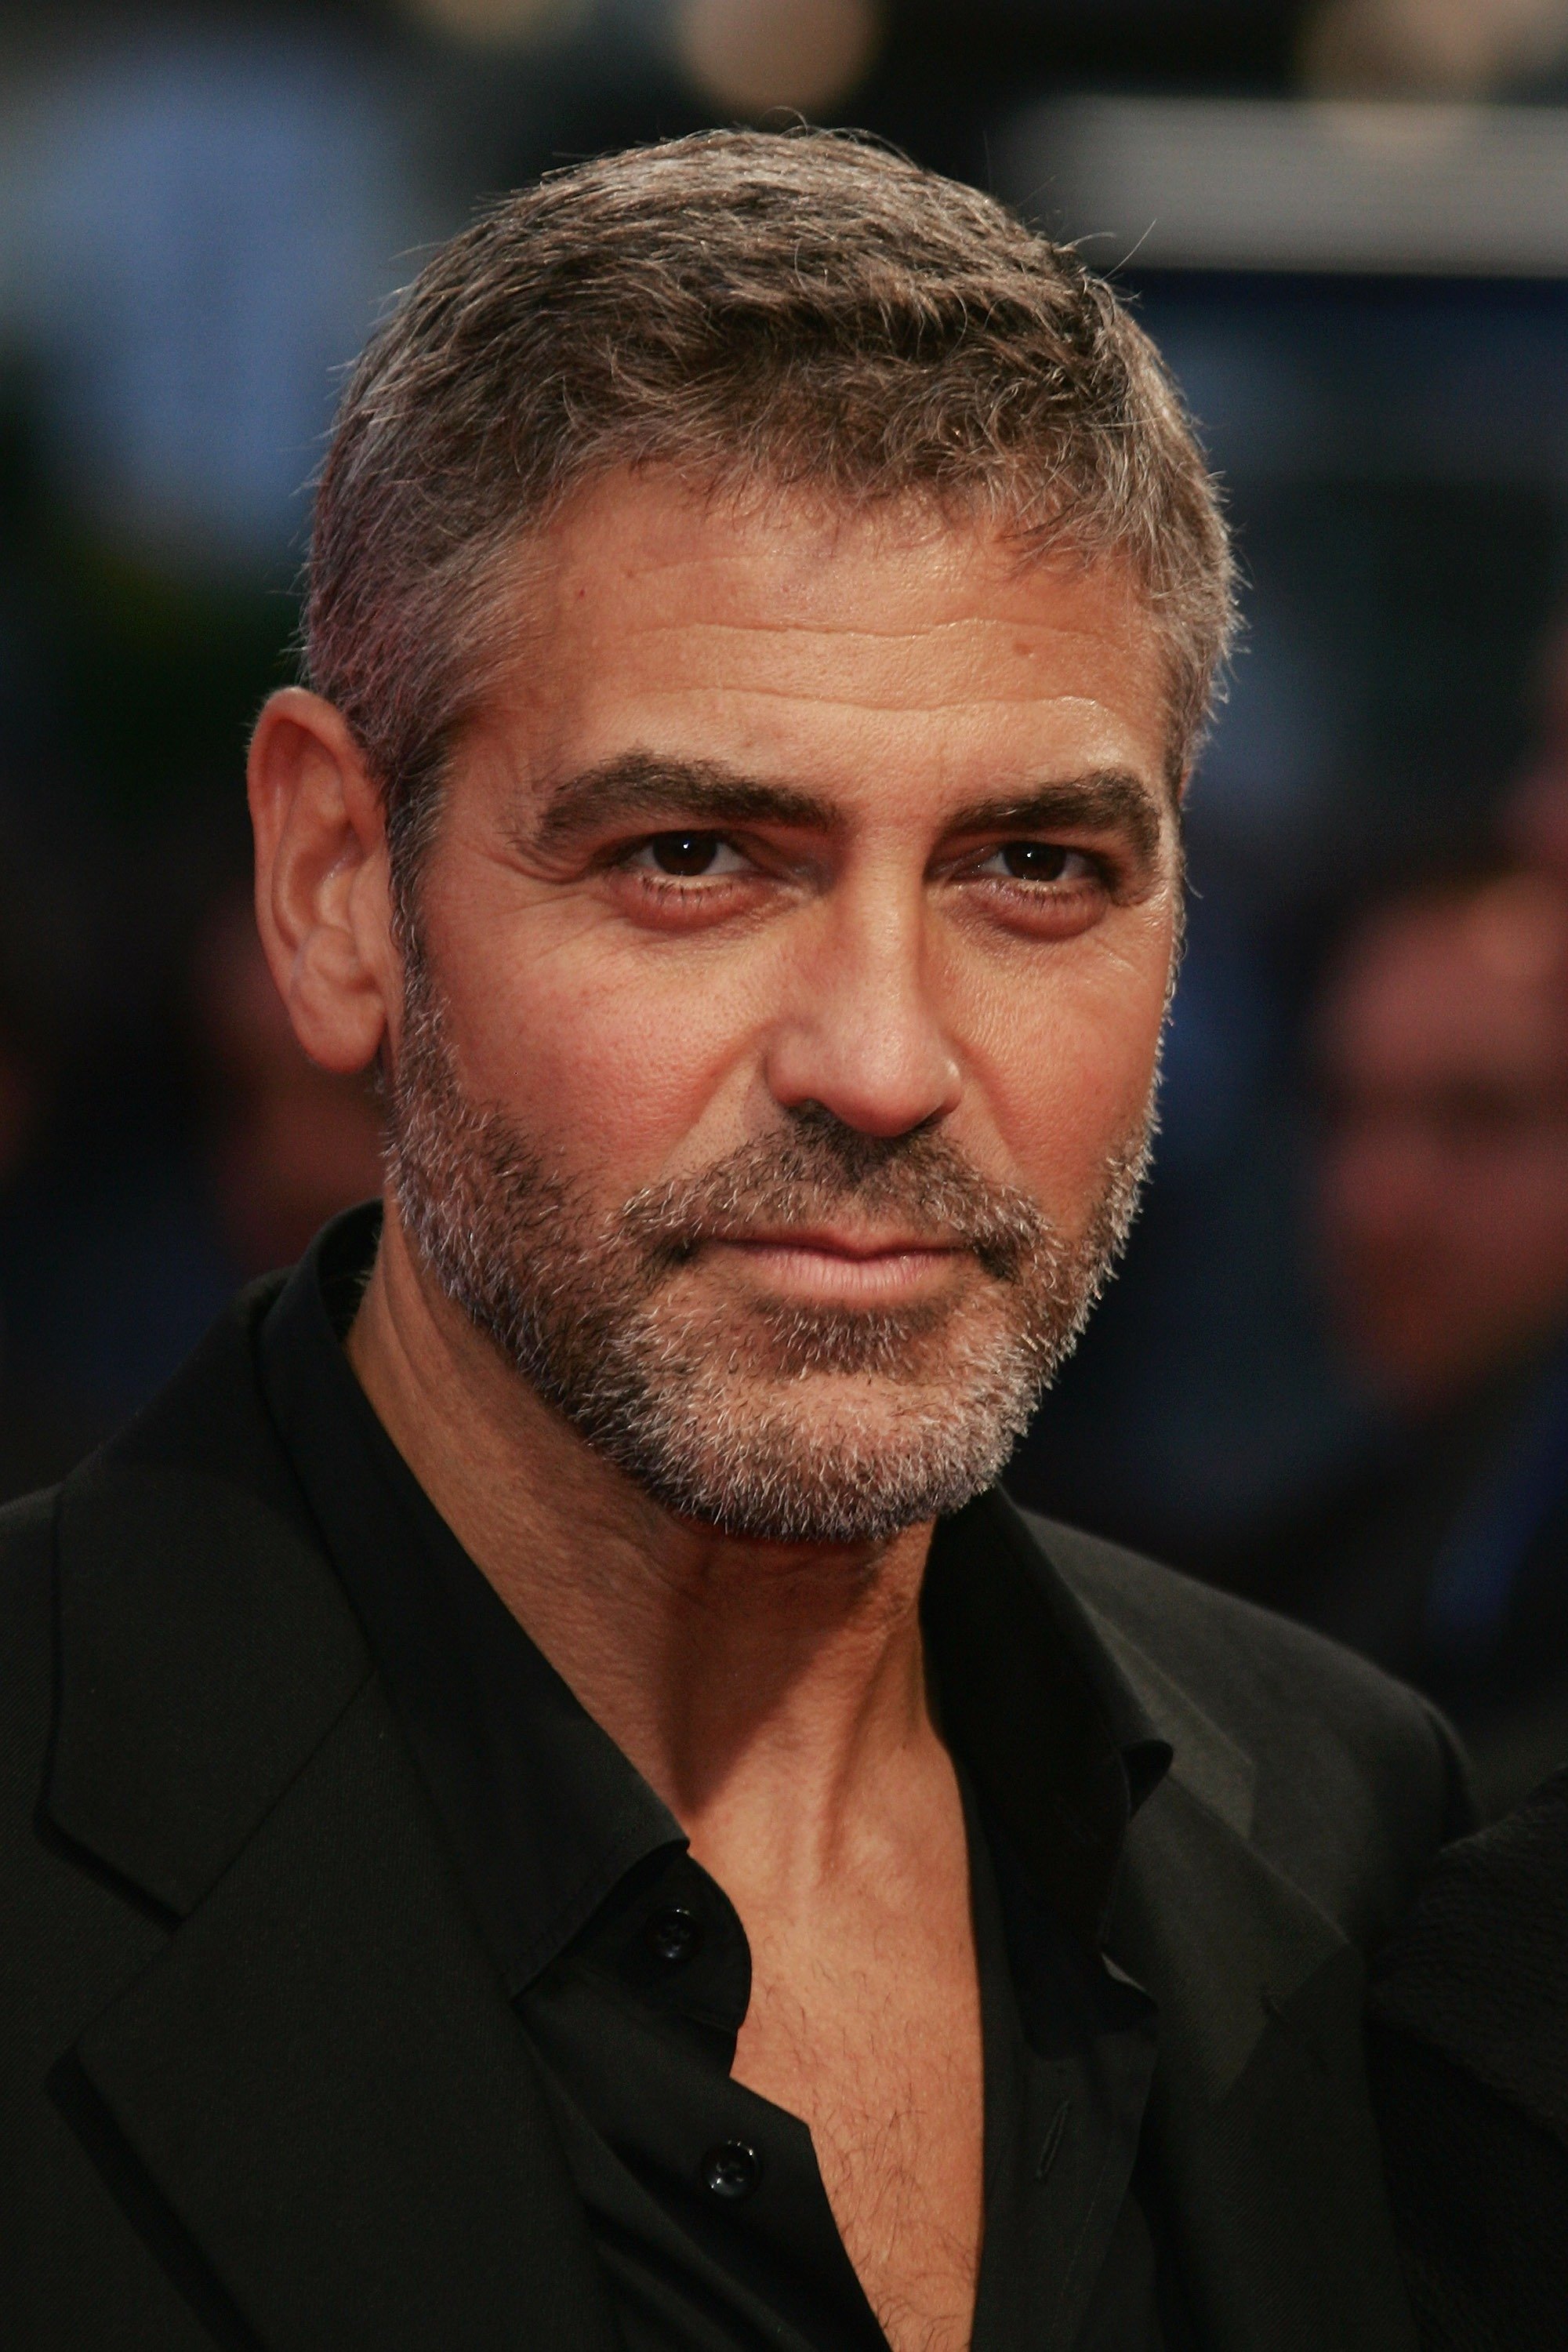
1443	1179
865	713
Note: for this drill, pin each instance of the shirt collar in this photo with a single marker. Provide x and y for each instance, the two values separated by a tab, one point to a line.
544	1813
1057	1743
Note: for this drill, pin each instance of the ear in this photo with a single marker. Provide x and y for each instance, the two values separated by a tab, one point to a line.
324	896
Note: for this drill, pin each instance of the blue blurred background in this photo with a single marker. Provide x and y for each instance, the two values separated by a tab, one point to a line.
1346	223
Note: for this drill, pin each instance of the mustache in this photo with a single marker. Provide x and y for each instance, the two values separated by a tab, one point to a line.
801	1175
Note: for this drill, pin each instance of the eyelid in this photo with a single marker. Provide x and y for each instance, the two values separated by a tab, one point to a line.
1100	868
629	857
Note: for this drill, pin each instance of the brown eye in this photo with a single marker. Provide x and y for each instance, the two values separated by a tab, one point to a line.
1043	862
1033	861
684	853
686	856
1037	861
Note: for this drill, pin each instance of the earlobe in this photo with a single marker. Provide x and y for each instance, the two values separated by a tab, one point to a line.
323	899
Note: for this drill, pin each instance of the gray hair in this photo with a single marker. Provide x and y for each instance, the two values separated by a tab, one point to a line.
801	311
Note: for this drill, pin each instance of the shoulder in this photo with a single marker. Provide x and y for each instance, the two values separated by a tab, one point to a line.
1258	1669
1344	1765
1480	1971
193	1478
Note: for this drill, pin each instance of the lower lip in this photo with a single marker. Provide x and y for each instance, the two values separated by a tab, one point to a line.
832	1275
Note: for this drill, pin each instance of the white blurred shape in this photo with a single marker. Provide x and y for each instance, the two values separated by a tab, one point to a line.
749	56
1448	188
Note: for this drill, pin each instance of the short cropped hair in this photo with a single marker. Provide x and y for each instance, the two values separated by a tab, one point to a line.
801	311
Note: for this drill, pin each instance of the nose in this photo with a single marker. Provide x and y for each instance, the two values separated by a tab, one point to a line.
861	1034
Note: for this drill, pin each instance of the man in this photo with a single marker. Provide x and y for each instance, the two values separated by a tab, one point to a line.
1442	1213
567	1810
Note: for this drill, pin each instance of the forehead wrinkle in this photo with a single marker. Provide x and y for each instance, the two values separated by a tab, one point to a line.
864	704
774	618
967	641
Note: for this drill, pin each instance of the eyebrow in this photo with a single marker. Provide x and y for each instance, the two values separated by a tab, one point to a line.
1107	800
642	784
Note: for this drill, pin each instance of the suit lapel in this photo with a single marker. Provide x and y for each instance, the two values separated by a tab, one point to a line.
321	2074
324	2079
1259	2115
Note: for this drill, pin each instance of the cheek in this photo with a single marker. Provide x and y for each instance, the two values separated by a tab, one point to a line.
1065	1057
631	1060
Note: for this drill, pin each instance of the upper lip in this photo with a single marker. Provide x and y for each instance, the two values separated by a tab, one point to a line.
836	1242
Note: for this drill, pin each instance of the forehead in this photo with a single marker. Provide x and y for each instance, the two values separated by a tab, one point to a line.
777	629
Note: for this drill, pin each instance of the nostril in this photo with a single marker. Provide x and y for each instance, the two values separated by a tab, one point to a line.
879	1086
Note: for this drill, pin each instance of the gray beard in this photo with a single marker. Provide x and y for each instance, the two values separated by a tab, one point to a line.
769	1419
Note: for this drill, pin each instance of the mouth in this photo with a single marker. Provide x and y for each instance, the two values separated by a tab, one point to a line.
829	1265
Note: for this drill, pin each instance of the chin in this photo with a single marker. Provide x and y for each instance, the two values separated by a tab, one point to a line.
820	1461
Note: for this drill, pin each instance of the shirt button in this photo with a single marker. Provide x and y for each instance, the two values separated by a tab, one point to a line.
675	1933
733	2170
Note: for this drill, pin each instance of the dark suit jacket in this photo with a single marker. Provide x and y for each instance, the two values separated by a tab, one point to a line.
1469	2073
260	2086
1360	1562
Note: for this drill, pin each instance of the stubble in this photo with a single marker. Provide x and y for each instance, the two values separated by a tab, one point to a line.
769	1418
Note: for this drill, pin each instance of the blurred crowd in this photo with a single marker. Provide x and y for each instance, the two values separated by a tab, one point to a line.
1436	1063
1334	1371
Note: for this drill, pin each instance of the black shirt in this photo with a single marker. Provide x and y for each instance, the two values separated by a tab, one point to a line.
630	1968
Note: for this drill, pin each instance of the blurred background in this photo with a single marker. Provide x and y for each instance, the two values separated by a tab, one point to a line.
1334	1371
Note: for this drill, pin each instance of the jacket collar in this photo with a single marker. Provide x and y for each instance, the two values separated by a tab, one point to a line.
542	1813
204	1648
1270	2170
321	2073
1053	1733
1272	2173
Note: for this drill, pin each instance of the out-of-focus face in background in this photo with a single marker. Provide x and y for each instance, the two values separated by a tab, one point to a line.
288	1144
1442	1050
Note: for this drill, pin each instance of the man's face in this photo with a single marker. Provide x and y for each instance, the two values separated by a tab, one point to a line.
774	1075
1443	1179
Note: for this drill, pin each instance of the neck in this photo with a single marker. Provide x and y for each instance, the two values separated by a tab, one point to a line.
763	1690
